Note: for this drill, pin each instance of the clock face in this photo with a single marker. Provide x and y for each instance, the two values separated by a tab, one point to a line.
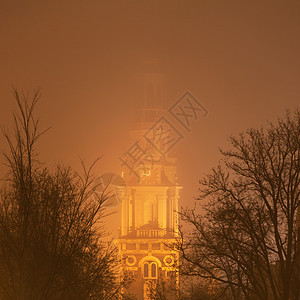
150	176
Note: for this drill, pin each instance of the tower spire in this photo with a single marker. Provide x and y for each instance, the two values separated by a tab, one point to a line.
149	218
151	95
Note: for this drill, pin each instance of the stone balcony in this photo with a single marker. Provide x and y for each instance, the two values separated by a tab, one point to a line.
151	233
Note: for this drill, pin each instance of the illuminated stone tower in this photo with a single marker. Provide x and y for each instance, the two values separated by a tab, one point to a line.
149	221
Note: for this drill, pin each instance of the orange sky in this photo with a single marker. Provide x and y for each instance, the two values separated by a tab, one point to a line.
239	58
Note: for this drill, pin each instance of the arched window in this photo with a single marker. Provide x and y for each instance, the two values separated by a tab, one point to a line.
150	269
148	212
146	270
153	270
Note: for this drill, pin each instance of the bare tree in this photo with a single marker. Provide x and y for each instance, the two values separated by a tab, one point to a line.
245	237
195	288
51	244
164	288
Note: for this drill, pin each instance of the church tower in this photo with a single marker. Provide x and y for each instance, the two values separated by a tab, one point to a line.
149	224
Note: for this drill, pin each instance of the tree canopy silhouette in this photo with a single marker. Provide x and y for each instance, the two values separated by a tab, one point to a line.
51	244
244	241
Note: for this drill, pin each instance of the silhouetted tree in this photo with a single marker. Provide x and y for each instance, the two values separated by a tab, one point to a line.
195	288
51	244
245	237
164	288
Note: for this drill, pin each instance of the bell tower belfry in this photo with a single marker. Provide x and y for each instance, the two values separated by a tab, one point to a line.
149	224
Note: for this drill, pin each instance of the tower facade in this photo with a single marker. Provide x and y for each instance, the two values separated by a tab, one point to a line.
149	226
